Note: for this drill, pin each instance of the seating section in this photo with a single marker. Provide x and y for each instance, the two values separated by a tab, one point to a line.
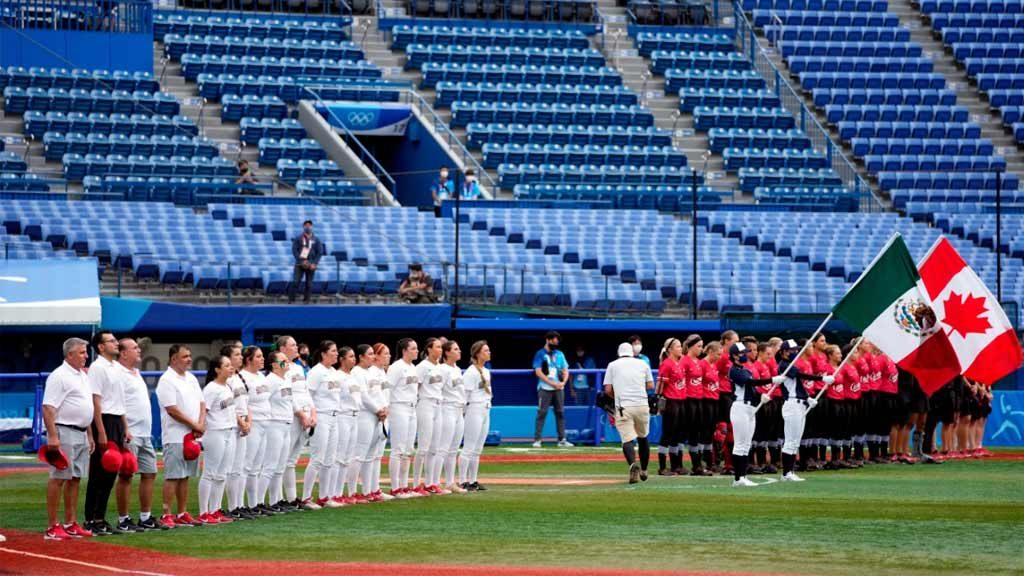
986	37
666	12
290	89
581	11
249	27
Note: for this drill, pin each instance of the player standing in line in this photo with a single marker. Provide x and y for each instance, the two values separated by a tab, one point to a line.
742	413
108	426
379	386
855	410
696	422
139	412
258	400
709	370
876	420
984	409
278	433
672	389
236	480
453	417
428	419
888	392
725	397
795	390
325	389
346	471
403	383
182	413
305	416
477	381
372	413
219	440
831	405
816	428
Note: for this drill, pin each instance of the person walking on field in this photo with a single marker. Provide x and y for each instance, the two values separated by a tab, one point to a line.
628	379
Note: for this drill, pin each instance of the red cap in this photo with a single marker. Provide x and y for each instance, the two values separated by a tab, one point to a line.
129	465
190	448
111	459
56	458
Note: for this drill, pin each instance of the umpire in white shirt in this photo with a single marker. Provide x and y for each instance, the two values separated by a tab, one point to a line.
628	379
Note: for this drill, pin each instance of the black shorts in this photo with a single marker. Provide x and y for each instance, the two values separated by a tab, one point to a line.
918	401
725	400
673	423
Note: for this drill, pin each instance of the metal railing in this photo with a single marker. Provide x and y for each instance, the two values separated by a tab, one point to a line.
283	8
747	43
122	16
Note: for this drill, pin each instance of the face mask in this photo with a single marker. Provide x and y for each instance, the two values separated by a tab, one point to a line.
579	353
444	175
637	348
553	345
470	179
743	358
308	230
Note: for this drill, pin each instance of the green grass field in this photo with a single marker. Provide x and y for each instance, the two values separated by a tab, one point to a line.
960	517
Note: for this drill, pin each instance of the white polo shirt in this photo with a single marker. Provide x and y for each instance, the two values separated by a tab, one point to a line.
350	397
404	383
454	392
281	407
259	395
182	392
478	385
69	392
104	383
370	396
325	388
301	400
138	410
220	406
431	380
239	389
628	377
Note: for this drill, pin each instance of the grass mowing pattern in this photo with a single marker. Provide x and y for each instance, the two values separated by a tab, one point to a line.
960	517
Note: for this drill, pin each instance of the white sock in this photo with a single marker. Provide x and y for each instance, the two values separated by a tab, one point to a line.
464	464
309	479
395	471
252	490
418	464
218	494
288	483
376	469
404	480
205	490
143	516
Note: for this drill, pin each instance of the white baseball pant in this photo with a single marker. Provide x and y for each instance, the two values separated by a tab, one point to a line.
453	423
428	432
794	416
477	424
236	478
743	423
297	441
345	469
403	433
366	449
275	460
255	460
323	451
218	451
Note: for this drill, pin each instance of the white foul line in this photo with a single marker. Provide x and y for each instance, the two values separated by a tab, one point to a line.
80	563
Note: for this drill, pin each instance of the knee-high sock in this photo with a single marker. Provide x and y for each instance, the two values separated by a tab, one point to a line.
252	490
474	470
276	484
309	479
449	468
217	494
787	462
395	471
366	471
645	452
376	469
629	451
677	460
774	451
419	463
709	460
695	460
288	484
352	478
205	488
739	464
464	463
404	480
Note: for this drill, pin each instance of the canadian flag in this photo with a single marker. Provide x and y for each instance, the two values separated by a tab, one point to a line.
981	334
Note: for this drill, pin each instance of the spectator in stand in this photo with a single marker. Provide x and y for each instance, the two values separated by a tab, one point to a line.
307	250
442	189
470	187
418	286
67	414
245	177
582	384
552	372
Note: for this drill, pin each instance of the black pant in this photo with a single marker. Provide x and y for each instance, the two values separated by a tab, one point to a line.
101	482
546	398
296	278
673	423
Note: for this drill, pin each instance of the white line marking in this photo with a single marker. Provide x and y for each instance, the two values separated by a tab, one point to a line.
81	563
767	481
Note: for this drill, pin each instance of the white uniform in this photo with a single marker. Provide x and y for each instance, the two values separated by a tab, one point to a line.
345	470
256	441
278	437
236	477
301	402
453	413
369	427
218	444
403	385
428	422
477	383
325	387
377	395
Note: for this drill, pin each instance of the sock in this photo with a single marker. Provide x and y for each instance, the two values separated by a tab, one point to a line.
205	490
837	452
775	452
787	462
288	484
122	518
629	452
404	479
822	452
645	452
739	466
695	461
251	490
662	457
847	452
762	455
676	459
464	462
709	459
883	447
872	450
474	469
143	516
803	454
218	495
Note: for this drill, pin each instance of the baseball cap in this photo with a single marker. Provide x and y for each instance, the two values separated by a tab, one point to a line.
625	349
129	464
111	459
737	348
789	345
56	458
190	449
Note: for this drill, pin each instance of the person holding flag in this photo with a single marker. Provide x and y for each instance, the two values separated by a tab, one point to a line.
797	402
743	410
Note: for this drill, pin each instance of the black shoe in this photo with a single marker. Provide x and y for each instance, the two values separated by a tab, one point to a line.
249	514
268	510
479	487
235	514
469	487
152	523
643	475
126	526
95	527
286	506
634	473
770	469
665	472
297	504
102	528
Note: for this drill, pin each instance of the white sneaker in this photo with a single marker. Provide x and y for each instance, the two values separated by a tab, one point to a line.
565	444
742	482
332	503
536	444
792	477
386	496
309	504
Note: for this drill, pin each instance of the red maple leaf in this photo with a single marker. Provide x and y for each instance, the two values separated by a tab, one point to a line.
963	314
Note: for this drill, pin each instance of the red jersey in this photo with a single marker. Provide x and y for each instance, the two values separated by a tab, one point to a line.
724	365
819	365
760	370
877	367
693	375
837	389
670	374
890	376
710	374
803	365
863	365
773	366
849	379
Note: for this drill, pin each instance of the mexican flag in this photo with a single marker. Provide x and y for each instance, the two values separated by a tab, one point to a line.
985	343
889	305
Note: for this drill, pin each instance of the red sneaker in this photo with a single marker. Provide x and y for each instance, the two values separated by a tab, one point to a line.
221	518
207	518
421	490
76	531
168	520
375	497
322	501
895	458
434	489
186	519
56	532
984	453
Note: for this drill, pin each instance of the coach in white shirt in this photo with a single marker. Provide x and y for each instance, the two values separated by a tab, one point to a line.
109	425
67	413
628	379
182	410
139	413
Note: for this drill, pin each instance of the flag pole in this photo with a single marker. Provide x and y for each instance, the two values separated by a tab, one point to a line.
838	368
802	350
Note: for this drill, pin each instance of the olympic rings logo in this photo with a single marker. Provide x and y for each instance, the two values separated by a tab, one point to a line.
358	119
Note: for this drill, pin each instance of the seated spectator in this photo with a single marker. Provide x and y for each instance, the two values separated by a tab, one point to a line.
418	287
245	176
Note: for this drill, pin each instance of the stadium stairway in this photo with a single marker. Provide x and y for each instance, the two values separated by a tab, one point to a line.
966	93
621	53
